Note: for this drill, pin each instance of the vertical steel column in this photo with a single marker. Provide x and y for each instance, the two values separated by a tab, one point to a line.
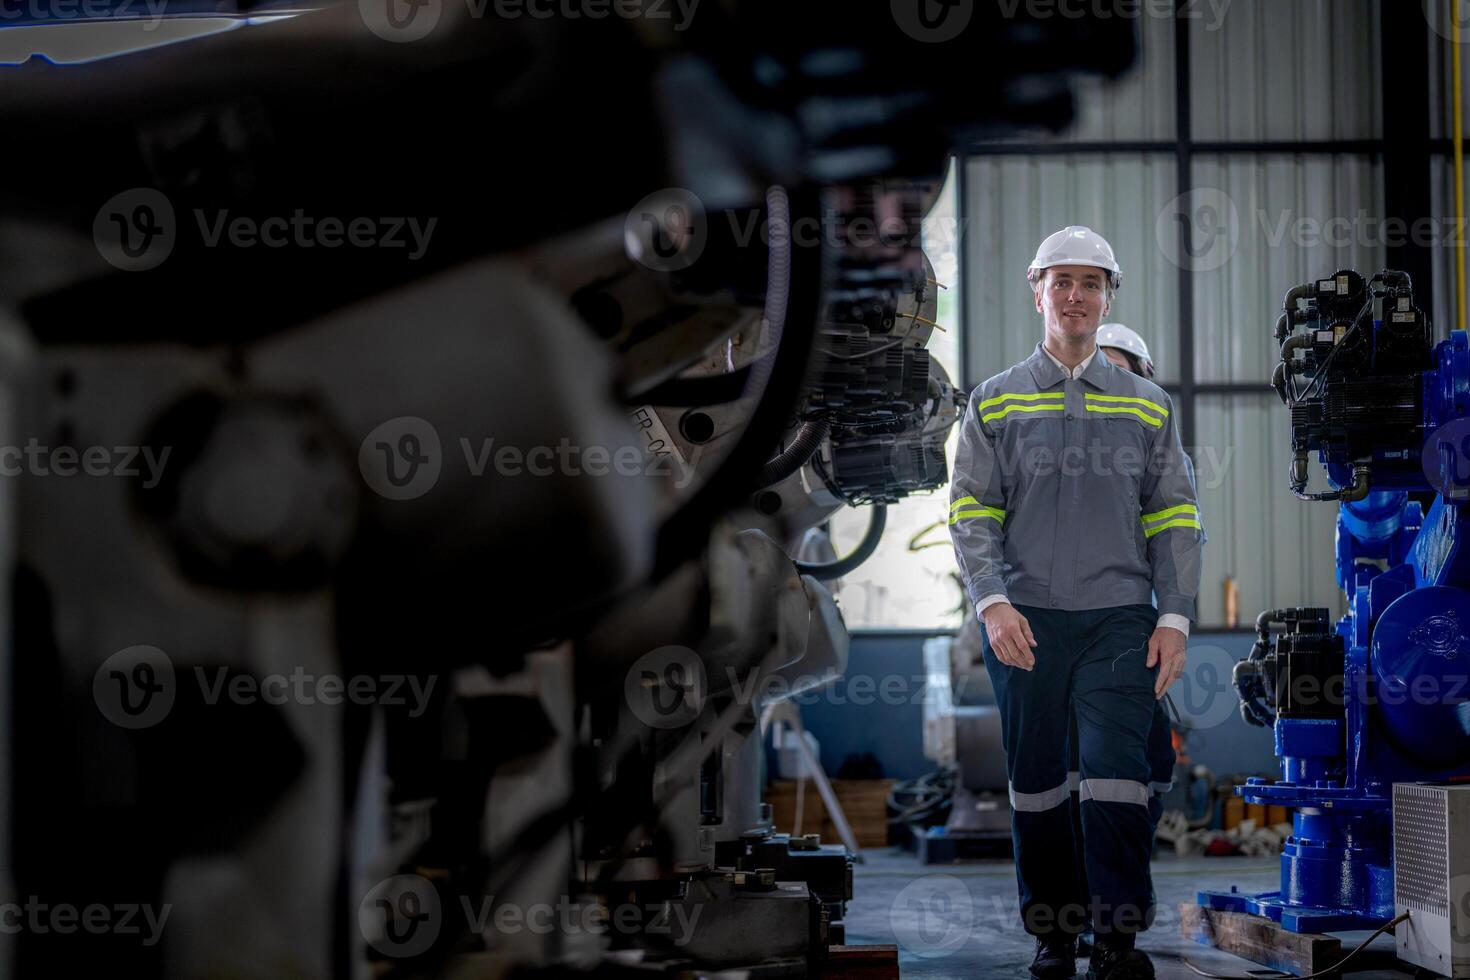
1185	183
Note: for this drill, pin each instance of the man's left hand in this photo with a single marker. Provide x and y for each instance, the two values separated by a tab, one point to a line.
1167	647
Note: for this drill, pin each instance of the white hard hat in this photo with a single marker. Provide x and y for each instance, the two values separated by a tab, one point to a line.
1119	336
1076	245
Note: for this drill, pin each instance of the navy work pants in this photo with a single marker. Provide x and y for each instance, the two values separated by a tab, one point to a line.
1093	663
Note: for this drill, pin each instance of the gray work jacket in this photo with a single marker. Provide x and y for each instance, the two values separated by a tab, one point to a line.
1075	494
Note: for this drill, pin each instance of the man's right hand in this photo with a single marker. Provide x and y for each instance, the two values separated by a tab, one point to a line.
1010	635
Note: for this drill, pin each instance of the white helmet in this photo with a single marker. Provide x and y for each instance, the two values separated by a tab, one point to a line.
1075	245
1119	336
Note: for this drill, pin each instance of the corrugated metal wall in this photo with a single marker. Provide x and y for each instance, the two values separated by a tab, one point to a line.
1442	203
1296	218
1268	70
1287	70
1277	549
1015	201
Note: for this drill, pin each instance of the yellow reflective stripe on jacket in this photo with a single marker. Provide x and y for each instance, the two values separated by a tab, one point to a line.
961	502
994	513
1058	407
1159	515
1149	532
1126	410
1122	400
1043	396
1184	515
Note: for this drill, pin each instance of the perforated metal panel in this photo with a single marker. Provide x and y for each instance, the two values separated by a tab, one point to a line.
1431	876
1421	848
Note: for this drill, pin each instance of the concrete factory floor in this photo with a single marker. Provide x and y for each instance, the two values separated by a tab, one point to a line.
962	920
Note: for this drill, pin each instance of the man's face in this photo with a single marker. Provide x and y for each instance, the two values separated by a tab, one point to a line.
1073	299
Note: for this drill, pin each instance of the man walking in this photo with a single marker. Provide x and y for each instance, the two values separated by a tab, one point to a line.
1071	508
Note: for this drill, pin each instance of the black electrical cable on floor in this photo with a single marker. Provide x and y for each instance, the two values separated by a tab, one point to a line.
1336	967
918	799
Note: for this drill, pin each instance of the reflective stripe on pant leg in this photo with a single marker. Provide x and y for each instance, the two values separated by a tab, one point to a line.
1114	791
1039	802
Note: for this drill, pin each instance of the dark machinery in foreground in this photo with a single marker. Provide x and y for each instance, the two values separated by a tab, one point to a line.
546	465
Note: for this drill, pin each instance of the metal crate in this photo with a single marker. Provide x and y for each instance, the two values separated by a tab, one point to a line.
1431	876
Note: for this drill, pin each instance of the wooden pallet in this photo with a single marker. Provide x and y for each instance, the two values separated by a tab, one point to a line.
1259	939
877	962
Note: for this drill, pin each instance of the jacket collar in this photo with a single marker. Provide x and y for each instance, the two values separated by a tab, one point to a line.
1046	374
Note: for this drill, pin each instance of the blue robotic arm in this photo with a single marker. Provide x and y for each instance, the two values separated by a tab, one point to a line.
1382	696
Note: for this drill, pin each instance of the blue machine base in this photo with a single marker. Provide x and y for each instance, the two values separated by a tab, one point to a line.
1270	905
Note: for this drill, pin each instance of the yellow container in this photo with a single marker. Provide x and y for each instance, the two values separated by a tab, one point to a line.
1234	811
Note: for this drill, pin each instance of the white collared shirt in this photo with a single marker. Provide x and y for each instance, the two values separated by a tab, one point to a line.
1072	373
